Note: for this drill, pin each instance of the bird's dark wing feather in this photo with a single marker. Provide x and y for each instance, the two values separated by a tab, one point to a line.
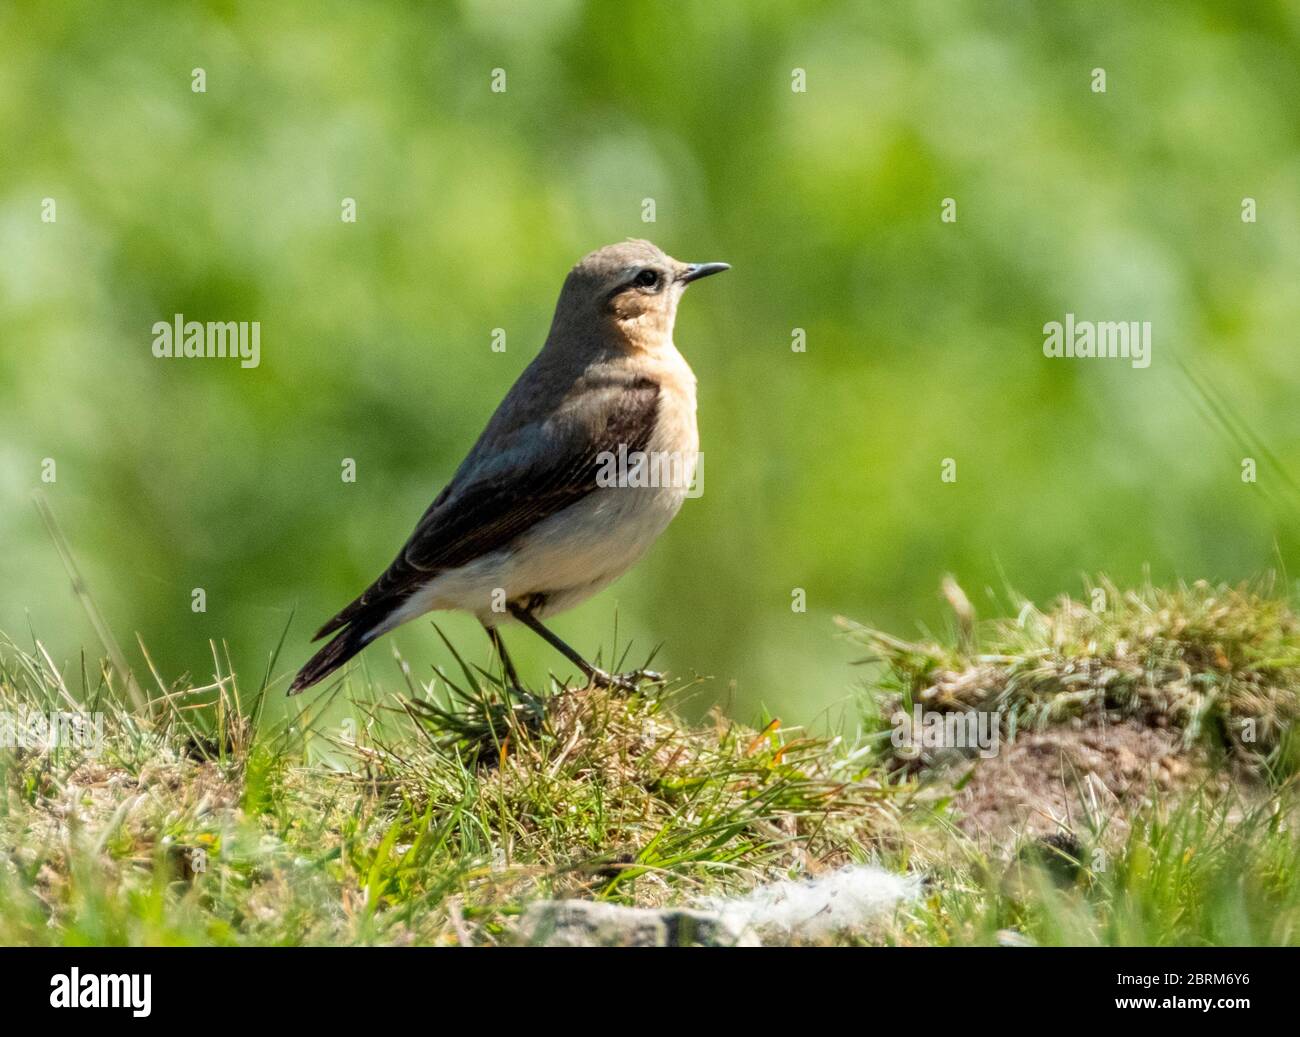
474	517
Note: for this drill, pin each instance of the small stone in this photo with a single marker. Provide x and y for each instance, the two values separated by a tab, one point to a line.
585	923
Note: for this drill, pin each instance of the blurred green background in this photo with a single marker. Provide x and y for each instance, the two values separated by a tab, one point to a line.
822	471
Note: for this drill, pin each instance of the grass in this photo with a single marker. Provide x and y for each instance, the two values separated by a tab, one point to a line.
434	813
1221	664
432	816
1205	870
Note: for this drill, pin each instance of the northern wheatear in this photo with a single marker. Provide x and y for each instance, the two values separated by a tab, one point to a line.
530	524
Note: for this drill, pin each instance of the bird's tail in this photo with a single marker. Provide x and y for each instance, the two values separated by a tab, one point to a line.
347	644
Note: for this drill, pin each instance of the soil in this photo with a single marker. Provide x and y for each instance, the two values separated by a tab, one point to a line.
1087	775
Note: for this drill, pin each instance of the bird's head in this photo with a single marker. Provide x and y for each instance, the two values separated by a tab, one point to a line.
628	291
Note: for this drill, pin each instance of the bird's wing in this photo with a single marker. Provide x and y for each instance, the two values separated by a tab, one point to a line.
544	469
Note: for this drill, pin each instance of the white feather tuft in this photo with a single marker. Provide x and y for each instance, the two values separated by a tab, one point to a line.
849	898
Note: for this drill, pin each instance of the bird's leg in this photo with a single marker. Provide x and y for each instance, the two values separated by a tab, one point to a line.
511	675
594	674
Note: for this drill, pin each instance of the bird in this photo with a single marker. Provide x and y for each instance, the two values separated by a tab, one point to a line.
582	466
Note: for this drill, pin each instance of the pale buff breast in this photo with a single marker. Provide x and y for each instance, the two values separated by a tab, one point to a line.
675	429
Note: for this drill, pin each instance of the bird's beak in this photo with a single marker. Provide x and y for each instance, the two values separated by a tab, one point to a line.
697	270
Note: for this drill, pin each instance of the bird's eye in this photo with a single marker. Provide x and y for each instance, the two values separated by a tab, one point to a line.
646	278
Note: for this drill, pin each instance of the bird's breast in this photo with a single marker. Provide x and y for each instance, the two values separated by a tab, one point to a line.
675	428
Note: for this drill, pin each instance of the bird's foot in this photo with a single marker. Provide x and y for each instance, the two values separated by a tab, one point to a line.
626	682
